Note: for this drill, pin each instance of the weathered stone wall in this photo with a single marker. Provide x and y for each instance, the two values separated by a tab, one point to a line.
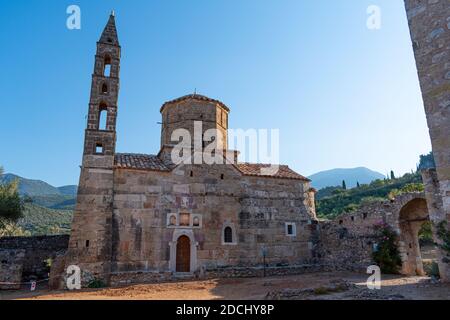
429	22
348	241
437	215
257	210
32	254
11	266
183	114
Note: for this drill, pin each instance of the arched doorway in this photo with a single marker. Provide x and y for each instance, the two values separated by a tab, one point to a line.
413	216
183	259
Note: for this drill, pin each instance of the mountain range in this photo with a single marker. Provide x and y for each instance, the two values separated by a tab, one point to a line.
334	177
44	194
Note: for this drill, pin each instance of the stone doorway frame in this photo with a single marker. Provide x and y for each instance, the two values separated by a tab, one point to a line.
177	233
411	218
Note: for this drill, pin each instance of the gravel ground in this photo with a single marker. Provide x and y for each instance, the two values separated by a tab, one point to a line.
318	286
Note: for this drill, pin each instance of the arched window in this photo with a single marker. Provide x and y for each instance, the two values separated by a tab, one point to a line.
196	222
104	88
228	235
107	66
102	116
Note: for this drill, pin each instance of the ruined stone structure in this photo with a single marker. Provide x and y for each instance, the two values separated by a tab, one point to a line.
24	259
429	22
143	215
348	242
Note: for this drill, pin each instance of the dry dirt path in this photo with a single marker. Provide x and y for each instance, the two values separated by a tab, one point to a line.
393	287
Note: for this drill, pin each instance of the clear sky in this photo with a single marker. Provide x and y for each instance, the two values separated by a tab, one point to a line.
342	95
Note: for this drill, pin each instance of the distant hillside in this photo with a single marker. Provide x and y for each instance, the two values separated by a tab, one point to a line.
335	177
44	194
68	190
332	201
43	221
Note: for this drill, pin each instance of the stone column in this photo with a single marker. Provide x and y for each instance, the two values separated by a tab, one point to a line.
437	214
429	23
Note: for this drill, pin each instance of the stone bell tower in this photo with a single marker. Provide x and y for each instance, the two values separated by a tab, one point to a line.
90	243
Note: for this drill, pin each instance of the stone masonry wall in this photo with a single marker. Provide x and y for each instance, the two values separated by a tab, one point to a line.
429	22
348	241
257	209
35	250
11	266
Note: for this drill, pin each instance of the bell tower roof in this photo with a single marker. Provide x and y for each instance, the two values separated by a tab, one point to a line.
109	34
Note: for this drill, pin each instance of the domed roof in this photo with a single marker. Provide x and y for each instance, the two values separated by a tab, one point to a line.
197	97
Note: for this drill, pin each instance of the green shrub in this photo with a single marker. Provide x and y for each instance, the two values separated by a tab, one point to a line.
96	283
11	205
426	234
386	254
444	234
431	269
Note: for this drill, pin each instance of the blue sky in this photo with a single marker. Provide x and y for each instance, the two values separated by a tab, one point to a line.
342	95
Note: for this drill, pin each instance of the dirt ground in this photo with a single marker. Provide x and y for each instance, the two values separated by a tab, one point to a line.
307	286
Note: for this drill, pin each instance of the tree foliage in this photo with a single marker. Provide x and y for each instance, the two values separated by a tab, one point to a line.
392	175
387	255
11	205
334	201
426	162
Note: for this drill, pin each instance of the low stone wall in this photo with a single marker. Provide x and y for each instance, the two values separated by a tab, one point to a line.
36	252
253	272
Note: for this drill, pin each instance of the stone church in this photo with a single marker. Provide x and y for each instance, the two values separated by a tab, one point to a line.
143	214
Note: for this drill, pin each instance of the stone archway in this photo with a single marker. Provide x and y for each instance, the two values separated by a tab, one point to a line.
180	238
412	216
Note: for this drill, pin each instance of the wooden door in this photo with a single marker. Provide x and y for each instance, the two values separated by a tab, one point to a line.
183	254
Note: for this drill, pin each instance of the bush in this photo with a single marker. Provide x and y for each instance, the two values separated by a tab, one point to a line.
12	229
444	234
426	234
386	254
96	284
11	205
410	187
431	269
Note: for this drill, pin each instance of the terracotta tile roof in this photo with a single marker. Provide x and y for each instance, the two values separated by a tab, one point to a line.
197	97
284	172
139	161
154	163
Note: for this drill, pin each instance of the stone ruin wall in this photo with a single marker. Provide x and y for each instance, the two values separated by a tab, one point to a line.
429	23
24	258
348	242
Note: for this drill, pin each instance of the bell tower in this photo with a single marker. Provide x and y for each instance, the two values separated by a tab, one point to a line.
100	139
90	244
